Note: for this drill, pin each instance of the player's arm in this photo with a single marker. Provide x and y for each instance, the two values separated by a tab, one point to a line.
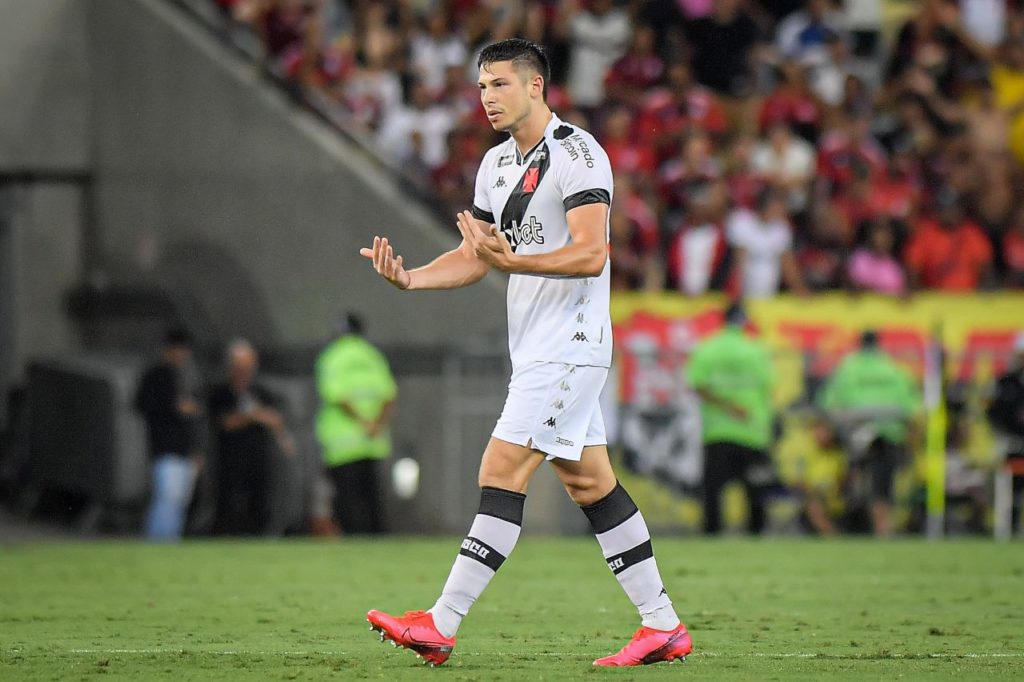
584	256
451	270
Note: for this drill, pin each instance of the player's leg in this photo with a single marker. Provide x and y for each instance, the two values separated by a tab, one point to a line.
621	532
505	472
626	545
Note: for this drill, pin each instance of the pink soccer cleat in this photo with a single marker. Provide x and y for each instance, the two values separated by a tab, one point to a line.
651	646
415	630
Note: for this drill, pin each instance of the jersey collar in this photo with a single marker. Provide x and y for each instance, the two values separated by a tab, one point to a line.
552	124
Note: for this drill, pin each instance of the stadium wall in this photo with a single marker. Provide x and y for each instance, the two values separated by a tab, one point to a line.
44	84
44	87
211	183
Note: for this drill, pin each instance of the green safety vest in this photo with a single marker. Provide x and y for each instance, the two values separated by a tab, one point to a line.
352	370
872	379
738	369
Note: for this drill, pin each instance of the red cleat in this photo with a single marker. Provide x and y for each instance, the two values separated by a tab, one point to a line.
415	630
651	646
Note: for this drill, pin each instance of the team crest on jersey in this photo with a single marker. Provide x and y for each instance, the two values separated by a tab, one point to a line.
531	179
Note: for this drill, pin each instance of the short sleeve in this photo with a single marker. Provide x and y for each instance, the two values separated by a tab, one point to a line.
583	173
481	201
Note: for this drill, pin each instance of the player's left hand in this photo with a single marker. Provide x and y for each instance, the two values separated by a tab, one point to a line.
491	247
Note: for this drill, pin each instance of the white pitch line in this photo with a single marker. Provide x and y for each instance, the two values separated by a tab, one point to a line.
525	654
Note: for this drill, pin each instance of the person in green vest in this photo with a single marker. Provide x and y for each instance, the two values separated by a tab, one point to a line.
357	394
733	375
873	401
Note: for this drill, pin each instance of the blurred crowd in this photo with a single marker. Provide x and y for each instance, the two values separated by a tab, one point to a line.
758	145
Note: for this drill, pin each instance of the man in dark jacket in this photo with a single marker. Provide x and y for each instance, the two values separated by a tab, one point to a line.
171	413
1006	414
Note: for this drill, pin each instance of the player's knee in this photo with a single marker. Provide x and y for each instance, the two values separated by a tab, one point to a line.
514	482
583	490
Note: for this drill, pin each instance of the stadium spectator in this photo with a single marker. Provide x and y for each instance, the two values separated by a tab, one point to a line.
693	169
698	257
167	399
1013	253
793	103
249	431
732	373
598	33
1006	414
675	107
949	252
357	394
635	239
874	267
745	183
949	108
787	163
763	240
821	253
722	45
809	30
416	133
435	48
873	402
636	72
625	154
1007	76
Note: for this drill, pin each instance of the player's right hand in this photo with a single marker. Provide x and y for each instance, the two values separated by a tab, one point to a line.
386	263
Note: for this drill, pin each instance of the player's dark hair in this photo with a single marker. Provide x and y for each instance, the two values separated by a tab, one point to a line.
869	339
522	53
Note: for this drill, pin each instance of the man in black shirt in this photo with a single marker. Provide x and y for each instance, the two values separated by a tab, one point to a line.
171	413
249	430
722	43
1006	414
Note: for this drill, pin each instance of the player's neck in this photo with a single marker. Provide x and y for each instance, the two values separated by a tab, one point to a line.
532	130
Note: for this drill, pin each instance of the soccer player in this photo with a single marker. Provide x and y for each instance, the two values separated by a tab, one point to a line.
540	213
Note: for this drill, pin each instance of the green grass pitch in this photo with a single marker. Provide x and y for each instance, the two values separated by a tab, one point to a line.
758	610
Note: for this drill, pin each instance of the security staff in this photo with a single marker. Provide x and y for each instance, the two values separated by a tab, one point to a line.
875	399
732	373
357	393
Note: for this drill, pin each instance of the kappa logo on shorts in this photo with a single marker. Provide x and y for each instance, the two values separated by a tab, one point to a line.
565	386
579	336
558	405
550	422
562	441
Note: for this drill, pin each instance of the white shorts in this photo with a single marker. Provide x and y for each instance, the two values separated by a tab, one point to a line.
554	407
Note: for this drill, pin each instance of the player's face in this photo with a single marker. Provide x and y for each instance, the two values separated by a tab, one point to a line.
507	94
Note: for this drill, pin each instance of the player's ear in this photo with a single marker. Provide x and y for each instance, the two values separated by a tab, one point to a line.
537	85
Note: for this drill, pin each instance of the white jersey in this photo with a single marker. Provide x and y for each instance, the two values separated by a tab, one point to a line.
550	318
